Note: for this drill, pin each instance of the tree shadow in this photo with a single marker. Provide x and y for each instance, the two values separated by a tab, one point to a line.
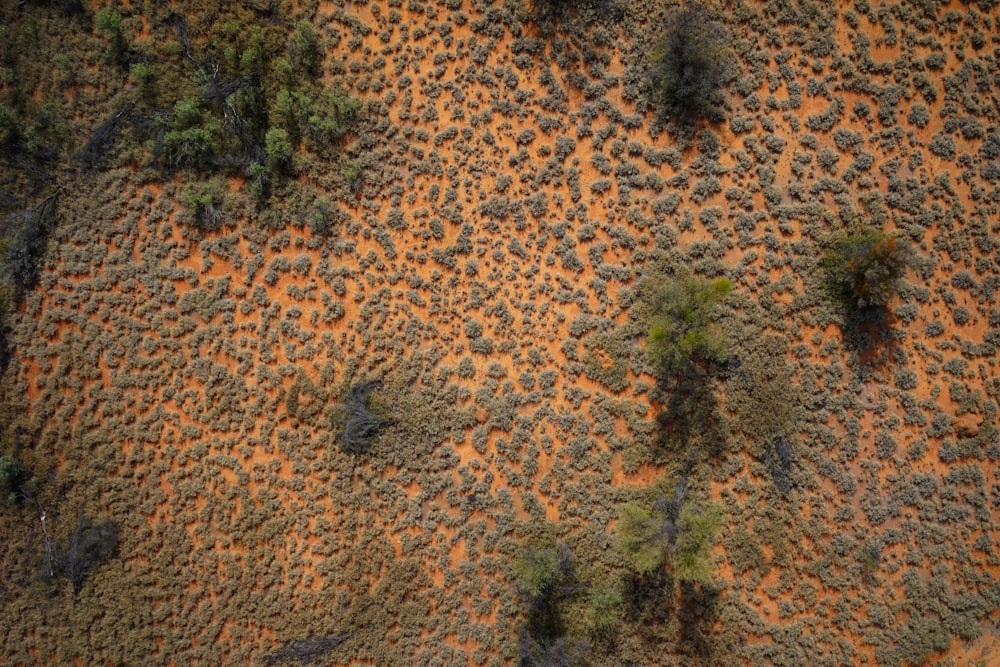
697	614
648	598
691	426
543	640
869	335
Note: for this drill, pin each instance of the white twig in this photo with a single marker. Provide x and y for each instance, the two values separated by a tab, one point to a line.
48	543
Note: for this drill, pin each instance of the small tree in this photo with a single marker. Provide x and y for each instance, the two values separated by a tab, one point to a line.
308	650
667	527
604	612
190	135
279	150
692	64
863	269
9	131
546	576
305	49
109	24
544	569
204	203
681	331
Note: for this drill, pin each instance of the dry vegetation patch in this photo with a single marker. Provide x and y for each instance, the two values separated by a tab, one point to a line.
347	337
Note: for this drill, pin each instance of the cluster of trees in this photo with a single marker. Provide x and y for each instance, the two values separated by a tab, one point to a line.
227	100
257	101
664	536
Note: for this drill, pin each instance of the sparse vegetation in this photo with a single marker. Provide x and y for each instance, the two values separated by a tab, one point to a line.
481	209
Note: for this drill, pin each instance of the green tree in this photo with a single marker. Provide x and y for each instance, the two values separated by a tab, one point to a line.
204	202
666	527
697	527
545	575
681	332
191	136
305	49
863	269
692	64
543	569
8	125
109	24
12	476
604	611
279	150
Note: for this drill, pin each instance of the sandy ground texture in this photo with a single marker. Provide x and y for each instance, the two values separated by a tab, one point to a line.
513	192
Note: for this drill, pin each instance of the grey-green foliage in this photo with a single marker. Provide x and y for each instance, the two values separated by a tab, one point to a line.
681	332
667	527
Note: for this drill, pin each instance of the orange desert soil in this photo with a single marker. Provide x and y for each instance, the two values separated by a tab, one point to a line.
244	474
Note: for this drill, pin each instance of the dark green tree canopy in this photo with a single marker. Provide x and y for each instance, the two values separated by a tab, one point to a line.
863	269
692	64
